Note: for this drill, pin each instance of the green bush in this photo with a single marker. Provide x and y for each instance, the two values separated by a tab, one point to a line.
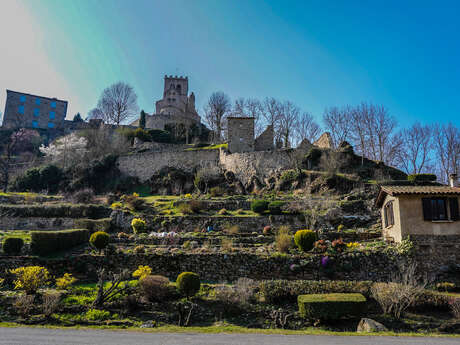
280	291
188	283
331	306
29	181
12	245
421	177
138	225
99	240
48	242
50	178
97	315
217	191
304	239
259	206
274	207
160	136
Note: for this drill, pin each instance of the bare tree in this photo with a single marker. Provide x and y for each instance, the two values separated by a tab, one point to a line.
307	128
289	116
249	107
216	110
414	155
338	123
118	103
271	113
381	143
9	140
447	148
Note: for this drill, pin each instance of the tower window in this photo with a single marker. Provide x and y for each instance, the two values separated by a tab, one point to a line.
50	125
34	124
21	109
52	115
22	99
36	112
53	104
37	101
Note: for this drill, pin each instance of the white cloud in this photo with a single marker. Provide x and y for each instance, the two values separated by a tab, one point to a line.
24	62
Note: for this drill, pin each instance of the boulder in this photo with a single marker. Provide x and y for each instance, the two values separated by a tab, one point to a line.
370	326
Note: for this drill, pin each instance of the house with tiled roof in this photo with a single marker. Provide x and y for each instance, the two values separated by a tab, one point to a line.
419	210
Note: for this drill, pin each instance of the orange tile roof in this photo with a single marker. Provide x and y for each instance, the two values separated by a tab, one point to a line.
419	190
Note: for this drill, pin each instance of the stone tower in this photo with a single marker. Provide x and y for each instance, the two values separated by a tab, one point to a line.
176	100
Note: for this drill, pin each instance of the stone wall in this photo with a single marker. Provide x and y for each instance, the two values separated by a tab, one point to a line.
324	141
144	165
220	267
260	163
240	134
264	142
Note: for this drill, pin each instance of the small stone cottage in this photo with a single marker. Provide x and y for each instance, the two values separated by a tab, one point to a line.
419	210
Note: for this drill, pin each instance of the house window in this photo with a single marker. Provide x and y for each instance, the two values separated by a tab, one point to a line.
52	115
37	101
388	214
437	209
21	109
53	104
34	124
50	125
22	99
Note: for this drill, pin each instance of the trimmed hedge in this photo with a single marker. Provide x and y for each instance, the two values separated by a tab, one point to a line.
331	306
48	242
93	225
304	239
259	206
422	177
188	283
279	291
275	207
12	245
99	240
56	211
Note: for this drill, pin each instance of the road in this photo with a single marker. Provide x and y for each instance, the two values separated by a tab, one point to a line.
42	336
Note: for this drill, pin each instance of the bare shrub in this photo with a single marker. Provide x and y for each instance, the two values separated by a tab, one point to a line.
51	303
454	305
232	230
401	293
226	244
283	239
155	288
24	305
84	196
245	287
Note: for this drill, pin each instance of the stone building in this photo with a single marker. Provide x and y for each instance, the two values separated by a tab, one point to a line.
241	136
419	211
176	106
32	111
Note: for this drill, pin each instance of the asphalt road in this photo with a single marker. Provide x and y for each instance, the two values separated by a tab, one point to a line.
41	336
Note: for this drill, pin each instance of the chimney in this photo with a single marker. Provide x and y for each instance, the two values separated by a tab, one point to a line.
453	180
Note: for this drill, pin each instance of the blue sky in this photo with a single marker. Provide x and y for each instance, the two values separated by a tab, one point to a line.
402	54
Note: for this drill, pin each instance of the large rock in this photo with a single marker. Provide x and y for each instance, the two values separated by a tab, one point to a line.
370	326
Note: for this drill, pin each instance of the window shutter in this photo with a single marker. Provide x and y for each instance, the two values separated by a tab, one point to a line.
454	212
385	215
427	215
392	217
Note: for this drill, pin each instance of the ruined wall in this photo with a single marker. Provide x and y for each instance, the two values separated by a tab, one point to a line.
240	134
264	142
144	165
260	163
324	141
